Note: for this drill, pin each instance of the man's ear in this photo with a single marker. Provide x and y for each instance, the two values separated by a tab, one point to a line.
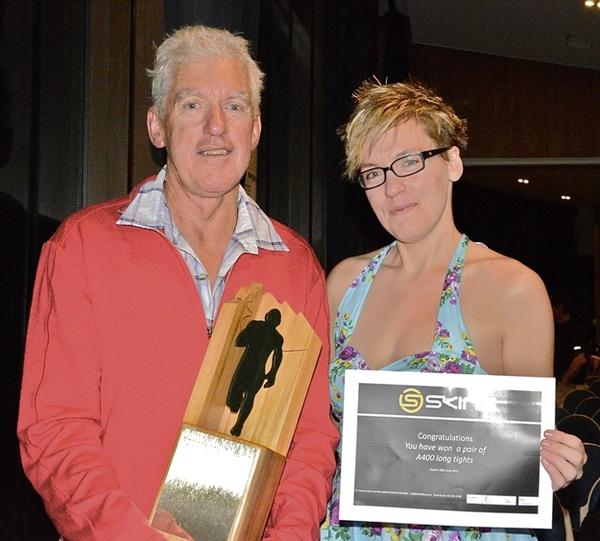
256	128
155	128
455	164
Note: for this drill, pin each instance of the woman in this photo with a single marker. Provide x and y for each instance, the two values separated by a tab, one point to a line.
431	291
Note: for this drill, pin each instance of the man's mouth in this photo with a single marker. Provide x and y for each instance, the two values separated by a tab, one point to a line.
215	152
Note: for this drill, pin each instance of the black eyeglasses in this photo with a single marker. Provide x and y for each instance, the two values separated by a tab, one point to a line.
404	166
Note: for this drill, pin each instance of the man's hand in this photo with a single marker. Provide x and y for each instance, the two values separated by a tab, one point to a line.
167	526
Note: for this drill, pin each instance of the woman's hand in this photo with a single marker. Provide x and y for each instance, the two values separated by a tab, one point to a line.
563	457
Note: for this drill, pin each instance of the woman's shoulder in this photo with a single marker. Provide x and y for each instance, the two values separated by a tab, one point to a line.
344	273
349	268
506	277
346	270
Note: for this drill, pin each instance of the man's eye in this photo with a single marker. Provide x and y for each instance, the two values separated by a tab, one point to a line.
192	105
235	107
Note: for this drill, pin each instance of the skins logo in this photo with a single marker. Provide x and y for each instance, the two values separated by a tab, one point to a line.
411	400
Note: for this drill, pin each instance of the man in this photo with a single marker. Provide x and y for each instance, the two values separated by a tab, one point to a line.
126	297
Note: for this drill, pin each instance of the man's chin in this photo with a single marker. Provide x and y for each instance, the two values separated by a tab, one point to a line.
219	189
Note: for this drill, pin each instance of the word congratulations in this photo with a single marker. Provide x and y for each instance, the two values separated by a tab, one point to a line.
444	437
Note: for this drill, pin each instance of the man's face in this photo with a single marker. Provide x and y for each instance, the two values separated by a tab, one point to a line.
209	128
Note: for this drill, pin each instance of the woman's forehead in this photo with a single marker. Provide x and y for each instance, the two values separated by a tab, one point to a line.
406	136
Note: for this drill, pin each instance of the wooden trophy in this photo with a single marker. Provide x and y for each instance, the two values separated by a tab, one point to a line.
239	422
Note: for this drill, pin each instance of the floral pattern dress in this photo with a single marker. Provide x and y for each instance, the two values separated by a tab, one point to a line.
451	351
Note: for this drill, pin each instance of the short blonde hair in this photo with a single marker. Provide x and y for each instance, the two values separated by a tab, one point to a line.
196	42
379	107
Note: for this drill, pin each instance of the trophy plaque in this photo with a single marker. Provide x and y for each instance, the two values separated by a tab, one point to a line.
239	422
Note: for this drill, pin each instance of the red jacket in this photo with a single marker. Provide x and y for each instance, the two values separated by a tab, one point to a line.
116	338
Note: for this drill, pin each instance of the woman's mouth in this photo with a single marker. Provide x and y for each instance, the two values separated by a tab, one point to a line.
402	209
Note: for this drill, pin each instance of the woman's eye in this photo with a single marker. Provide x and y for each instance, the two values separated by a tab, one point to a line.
370	175
409	162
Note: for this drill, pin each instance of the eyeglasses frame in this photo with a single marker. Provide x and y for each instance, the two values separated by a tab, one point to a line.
424	155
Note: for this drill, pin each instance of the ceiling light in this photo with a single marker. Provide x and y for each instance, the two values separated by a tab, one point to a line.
523	180
565	197
590	3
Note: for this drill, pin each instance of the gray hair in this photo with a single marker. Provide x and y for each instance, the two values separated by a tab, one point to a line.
196	42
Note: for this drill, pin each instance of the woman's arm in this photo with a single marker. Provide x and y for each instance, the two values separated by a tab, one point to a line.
527	350
527	324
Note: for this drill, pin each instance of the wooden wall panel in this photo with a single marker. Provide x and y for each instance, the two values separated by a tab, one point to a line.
516	108
292	178
148	32
106	133
122	35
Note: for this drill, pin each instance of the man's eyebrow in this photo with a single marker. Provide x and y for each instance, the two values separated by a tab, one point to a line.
187	92
240	96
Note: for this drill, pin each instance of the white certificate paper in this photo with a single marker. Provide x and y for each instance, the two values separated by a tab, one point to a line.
445	449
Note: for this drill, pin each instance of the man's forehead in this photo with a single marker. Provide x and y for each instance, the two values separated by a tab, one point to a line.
205	66
214	73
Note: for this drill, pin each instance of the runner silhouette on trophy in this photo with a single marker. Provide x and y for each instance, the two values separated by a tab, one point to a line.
260	338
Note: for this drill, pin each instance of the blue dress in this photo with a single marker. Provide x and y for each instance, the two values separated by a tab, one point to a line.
451	351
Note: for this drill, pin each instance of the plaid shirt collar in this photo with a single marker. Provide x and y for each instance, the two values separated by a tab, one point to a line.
253	229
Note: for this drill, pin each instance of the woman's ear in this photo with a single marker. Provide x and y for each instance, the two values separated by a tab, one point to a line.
455	164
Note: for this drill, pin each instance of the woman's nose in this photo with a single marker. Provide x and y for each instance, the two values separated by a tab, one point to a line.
393	184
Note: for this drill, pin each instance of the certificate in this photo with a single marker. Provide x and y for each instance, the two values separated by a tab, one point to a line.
445	449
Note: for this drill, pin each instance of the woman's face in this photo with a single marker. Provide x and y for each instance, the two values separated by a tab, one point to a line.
409	208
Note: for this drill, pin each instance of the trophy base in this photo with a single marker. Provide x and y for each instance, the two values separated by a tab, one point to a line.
217	487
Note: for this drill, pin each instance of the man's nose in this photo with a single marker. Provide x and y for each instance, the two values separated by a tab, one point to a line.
215	123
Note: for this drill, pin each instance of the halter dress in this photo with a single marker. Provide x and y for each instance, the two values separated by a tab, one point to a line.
451	352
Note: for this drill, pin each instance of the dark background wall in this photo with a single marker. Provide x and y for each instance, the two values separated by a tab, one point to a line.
73	96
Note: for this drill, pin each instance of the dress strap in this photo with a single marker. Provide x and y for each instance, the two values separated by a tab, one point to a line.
352	302
453	278
450	330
